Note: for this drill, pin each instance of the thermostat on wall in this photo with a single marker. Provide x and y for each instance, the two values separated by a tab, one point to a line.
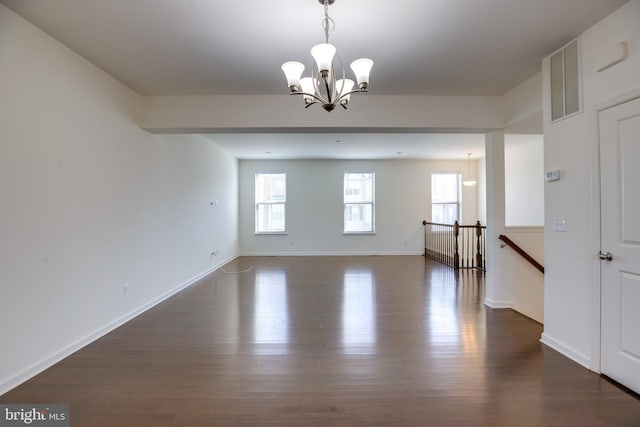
552	175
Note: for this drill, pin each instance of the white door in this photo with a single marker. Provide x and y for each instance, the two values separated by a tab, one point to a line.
620	240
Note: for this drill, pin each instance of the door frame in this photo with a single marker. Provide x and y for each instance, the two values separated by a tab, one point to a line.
596	220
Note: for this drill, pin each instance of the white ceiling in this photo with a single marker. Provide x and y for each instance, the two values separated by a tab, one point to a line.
427	47
423	47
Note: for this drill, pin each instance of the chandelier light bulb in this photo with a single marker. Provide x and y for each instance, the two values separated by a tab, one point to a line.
293	70
306	84
323	54
344	87
362	68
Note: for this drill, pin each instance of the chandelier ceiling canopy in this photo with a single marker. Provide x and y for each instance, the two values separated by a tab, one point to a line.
327	85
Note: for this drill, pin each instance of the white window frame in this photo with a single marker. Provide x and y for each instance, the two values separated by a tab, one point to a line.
457	202
371	203
271	203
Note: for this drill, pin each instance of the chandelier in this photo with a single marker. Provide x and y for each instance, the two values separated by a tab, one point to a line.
323	87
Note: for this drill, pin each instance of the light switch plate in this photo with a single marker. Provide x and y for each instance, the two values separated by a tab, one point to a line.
560	224
553	175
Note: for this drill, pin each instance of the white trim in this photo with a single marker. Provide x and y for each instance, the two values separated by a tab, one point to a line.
45	363
358	233
498	304
566	351
336	253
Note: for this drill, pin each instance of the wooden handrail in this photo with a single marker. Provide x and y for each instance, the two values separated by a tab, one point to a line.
521	252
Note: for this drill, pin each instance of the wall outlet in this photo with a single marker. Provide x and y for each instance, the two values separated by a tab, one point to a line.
125	289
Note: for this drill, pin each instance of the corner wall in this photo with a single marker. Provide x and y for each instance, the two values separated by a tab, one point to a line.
90	202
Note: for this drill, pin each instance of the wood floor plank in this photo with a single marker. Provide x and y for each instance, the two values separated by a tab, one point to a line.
340	341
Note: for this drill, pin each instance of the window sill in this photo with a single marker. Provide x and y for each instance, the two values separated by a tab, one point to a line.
358	233
270	233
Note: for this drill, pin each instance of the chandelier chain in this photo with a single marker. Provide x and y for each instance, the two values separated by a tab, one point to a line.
328	24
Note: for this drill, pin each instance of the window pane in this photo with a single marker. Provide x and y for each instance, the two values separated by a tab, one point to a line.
445	187
271	187
358	187
358	217
271	195
445	198
437	213
358	202
270	218
450	213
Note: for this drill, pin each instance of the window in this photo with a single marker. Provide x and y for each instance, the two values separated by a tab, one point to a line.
445	198
358	202
271	198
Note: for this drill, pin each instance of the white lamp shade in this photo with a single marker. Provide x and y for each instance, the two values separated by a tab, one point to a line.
293	70
306	84
361	68
346	85
323	54
469	182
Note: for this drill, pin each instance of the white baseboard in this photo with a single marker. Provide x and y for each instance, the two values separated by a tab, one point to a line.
375	253
45	363
567	351
498	304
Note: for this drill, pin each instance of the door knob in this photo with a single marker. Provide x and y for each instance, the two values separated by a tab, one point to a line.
608	256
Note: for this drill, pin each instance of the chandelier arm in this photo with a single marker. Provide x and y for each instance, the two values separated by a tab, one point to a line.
328	89
317	98
315	76
348	93
330	86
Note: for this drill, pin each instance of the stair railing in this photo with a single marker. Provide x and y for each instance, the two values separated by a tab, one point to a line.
459	246
508	242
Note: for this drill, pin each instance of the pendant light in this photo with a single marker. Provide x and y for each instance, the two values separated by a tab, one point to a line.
327	85
469	182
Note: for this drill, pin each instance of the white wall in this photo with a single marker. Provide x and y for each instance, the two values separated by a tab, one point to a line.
315	206
91	202
482	190
273	113
523	105
570	145
526	281
524	180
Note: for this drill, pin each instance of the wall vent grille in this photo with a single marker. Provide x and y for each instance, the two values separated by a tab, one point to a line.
566	88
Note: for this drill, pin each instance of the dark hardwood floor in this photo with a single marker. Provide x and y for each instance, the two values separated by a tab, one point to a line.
331	341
